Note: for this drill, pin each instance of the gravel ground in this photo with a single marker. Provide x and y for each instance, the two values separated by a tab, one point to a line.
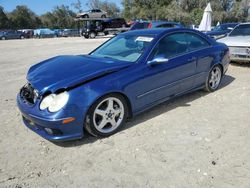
198	140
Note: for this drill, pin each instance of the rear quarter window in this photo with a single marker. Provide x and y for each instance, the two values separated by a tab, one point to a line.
196	42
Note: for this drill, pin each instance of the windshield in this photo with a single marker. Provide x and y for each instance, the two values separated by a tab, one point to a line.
241	30
217	28
124	47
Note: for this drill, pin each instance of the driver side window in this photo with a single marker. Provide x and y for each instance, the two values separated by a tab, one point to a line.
171	46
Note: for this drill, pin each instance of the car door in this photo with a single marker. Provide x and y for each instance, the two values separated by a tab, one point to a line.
8	35
202	51
95	13
16	35
168	79
98	13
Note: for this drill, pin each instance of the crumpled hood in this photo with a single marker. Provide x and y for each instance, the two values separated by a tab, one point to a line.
243	41
67	71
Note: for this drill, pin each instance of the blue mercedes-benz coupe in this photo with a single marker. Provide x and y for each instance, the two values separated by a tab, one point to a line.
68	95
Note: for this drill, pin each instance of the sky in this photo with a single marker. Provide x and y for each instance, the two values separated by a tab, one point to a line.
43	6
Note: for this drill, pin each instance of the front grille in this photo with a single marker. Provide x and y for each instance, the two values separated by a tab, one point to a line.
29	94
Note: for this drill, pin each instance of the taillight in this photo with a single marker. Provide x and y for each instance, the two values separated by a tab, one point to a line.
150	25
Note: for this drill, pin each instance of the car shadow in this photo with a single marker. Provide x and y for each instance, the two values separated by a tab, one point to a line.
182	101
236	64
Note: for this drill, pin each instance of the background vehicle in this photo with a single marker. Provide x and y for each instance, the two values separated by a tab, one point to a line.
139	25
93	27
128	74
11	34
94	13
114	23
58	32
238	42
28	33
155	24
221	30
70	33
45	33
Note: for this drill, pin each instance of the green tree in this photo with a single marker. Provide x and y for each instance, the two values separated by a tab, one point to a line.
185	11
196	16
4	21
60	17
127	9
22	17
78	6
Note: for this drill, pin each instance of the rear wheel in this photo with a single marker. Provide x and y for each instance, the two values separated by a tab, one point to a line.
107	115
3	38
86	16
103	16
21	37
214	79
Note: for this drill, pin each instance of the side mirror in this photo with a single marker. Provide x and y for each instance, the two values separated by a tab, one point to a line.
157	61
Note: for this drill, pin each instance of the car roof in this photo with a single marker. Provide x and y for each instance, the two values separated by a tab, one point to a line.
229	23
162	21
246	23
159	31
154	31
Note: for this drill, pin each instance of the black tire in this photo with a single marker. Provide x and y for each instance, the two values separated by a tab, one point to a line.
3	38
85	16
89	120
21	37
103	16
209	86
92	35
86	36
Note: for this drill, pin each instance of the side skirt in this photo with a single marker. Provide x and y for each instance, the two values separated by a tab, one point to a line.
167	99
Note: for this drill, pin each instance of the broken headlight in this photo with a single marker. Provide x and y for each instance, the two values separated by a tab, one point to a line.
54	102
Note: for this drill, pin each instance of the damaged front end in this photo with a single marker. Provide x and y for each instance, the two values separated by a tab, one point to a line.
44	117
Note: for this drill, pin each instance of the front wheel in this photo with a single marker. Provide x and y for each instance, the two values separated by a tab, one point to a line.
107	115
86	36
214	79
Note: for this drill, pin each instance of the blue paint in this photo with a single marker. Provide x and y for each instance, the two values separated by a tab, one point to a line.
87	78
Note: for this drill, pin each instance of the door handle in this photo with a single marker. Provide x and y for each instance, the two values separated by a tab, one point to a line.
191	59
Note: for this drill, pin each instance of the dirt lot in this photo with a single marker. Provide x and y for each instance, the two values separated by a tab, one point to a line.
198	140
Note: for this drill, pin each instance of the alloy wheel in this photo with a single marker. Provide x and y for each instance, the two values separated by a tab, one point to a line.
108	115
215	78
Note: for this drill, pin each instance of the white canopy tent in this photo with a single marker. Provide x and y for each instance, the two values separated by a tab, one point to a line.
206	21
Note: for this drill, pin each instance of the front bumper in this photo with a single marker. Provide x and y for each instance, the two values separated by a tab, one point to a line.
240	54
240	58
52	127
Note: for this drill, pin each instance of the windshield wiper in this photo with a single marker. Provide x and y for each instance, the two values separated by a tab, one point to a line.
107	57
